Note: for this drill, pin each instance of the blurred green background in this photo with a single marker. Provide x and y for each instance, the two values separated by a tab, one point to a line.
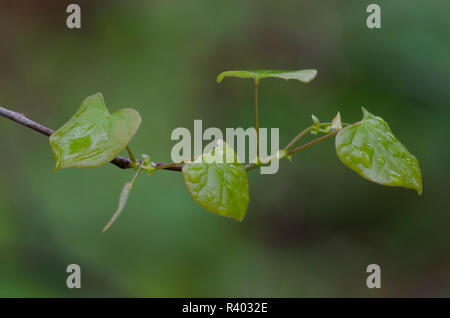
310	230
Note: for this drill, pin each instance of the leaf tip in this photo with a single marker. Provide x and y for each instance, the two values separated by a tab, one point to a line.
336	123
239	217
95	96
220	77
315	120
365	112
58	166
419	189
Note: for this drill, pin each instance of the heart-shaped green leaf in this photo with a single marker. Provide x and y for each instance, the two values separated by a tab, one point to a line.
304	76
369	148
221	188
93	137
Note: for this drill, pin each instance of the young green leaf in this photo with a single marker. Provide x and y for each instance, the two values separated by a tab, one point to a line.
316	120
122	202
220	188
304	76
369	148
93	137
124	194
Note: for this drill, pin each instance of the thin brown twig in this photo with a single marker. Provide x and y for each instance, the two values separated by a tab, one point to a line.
119	161
127	163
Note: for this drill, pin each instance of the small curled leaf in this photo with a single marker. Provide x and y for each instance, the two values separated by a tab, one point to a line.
336	123
304	76
369	148
122	202
124	197
315	120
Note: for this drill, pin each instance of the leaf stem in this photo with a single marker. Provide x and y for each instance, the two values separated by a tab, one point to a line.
252	166
313	142
297	138
130	154
257	118
305	131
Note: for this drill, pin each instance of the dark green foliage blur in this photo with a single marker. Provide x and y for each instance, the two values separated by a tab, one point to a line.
310	230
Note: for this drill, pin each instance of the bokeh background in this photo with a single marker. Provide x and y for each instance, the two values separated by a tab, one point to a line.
310	230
